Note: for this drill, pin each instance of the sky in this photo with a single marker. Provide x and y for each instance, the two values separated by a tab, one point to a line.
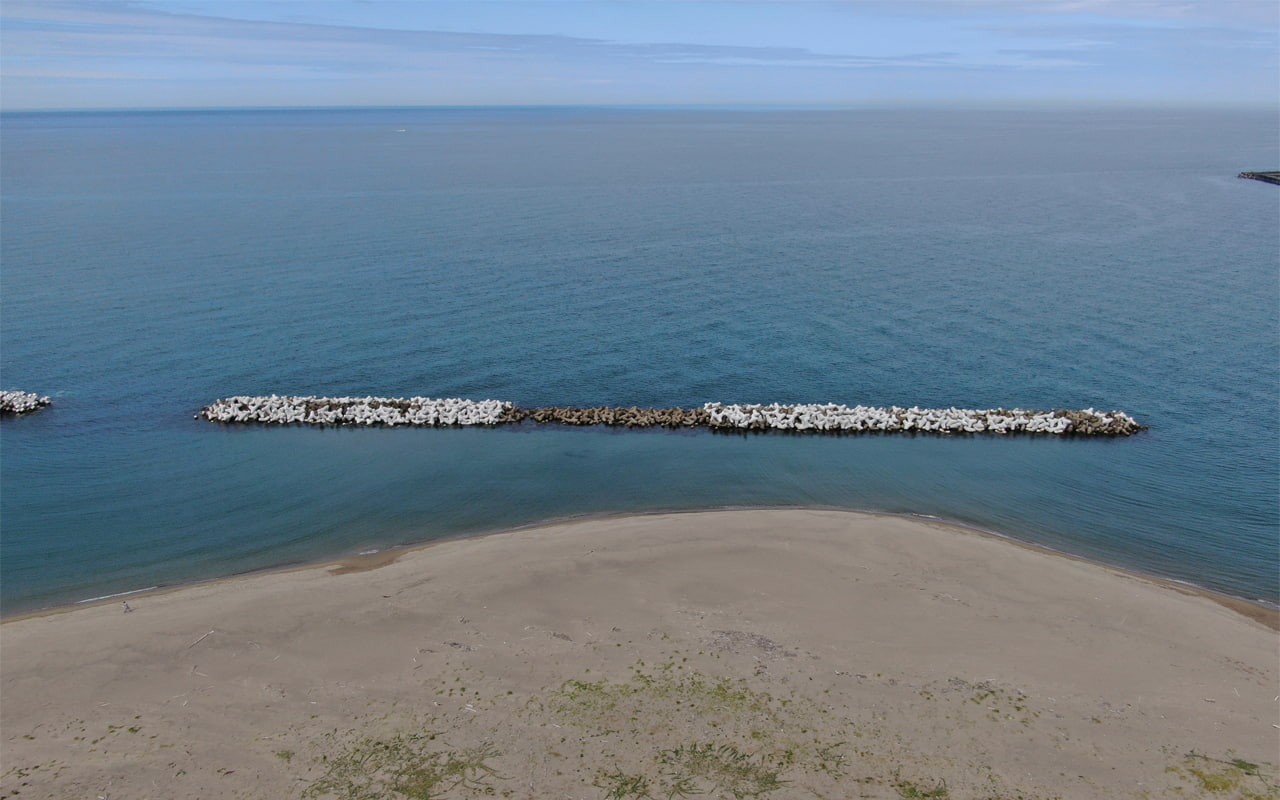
79	54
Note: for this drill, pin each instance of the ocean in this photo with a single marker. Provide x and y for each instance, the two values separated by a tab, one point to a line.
153	262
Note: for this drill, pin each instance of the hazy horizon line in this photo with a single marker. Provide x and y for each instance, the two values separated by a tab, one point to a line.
1011	105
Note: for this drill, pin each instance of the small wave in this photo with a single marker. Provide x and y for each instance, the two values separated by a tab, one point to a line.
117	594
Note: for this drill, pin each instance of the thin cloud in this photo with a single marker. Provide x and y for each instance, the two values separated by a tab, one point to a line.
1175	37
1172	49
1225	12
55	73
112	30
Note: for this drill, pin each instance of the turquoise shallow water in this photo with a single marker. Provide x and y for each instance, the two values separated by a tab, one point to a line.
154	262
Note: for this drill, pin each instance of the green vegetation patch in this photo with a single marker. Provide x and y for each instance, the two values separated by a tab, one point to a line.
411	765
692	696
1232	778
685	734
719	769
908	790
656	733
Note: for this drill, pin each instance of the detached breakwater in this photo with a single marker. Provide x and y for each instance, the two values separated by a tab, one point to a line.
16	402
415	411
1265	177
805	418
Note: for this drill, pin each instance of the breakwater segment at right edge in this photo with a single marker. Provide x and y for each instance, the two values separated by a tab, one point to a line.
799	418
1265	177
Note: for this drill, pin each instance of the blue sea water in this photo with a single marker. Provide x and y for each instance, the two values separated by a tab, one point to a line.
154	262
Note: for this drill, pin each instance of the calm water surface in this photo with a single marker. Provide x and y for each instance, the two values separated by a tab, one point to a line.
154	262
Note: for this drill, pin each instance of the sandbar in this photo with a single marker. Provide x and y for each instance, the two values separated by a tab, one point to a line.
746	653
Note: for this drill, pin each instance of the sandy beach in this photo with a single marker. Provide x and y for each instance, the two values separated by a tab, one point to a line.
777	654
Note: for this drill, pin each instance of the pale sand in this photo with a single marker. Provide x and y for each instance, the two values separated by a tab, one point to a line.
793	654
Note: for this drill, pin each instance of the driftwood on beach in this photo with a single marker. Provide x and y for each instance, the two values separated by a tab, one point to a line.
802	418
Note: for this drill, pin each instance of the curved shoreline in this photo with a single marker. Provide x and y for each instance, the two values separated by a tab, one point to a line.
828	645
1257	611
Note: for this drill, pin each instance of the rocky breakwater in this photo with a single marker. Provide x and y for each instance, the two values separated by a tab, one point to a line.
846	419
388	411
632	417
810	418
1265	177
16	402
